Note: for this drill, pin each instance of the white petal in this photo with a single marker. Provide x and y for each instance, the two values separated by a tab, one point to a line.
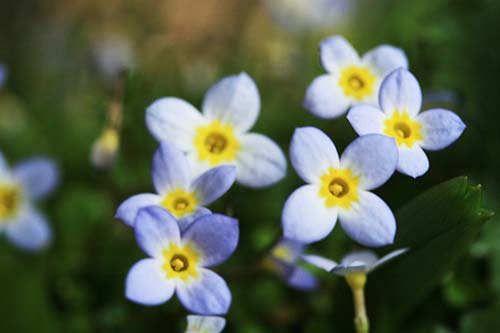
233	100
127	211
30	232
366	119
305	217
384	59
212	184
344	270
147	283
170	169
205	324
336	52
373	158
369	221
38	175
173	120
356	258
412	161
318	261
260	161
400	92
325	97
312	153
440	128
387	258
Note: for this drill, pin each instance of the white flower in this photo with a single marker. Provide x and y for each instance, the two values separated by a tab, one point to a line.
205	324
351	79
339	188
20	187
219	134
399	117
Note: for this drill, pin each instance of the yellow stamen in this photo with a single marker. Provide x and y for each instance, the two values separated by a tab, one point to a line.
10	199
357	82
339	187
180	202
181	261
216	143
405	130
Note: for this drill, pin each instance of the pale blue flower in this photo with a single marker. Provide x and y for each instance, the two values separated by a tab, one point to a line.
399	117
178	190
339	188
20	188
3	75
178	261
219	135
351	79
205	324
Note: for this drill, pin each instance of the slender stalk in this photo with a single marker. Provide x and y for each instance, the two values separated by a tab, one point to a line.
357	282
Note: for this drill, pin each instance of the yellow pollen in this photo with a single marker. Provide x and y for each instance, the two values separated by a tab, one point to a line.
339	187
357	82
178	263
10	198
181	262
216	143
180	202
405	130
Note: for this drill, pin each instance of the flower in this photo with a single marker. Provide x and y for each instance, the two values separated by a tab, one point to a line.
178	191
284	257
105	148
178	261
3	75
398	117
350	79
219	135
27	182
355	262
339	188
205	324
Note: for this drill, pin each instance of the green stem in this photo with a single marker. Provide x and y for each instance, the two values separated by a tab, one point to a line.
357	282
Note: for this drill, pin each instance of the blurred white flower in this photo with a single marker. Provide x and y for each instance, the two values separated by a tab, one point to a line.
113	54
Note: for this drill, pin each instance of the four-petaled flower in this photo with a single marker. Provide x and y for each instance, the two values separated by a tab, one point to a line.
182	194
400	102
219	135
179	259
20	187
205	324
339	188
351	79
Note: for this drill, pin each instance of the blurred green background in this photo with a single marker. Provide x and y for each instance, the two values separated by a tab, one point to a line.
55	101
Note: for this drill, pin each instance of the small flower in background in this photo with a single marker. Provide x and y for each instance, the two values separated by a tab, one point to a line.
339	188
219	135
178	261
3	75
284	258
179	191
307	15
205	324
399	117
27	182
351	79
105	149
113	54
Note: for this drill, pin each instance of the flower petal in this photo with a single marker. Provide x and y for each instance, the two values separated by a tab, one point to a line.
206	324
305	217
31	232
39	176
302	279
127	211
173	120
369	221
209	295
344	270
147	284
233	100
320	262
384	59
412	161
356	258
336	52
312	153
325	98
387	258
371	157
366	119
187	220
155	229
212	184
440	128
170	169
400	92
260	162
215	236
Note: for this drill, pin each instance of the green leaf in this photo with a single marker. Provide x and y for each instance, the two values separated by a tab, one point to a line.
438	226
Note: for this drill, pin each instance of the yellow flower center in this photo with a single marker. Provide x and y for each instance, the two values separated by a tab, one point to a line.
180	202
10	198
283	253
405	130
216	143
339	187
357	82
181	262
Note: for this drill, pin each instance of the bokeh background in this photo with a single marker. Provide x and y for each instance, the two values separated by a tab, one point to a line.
62	58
